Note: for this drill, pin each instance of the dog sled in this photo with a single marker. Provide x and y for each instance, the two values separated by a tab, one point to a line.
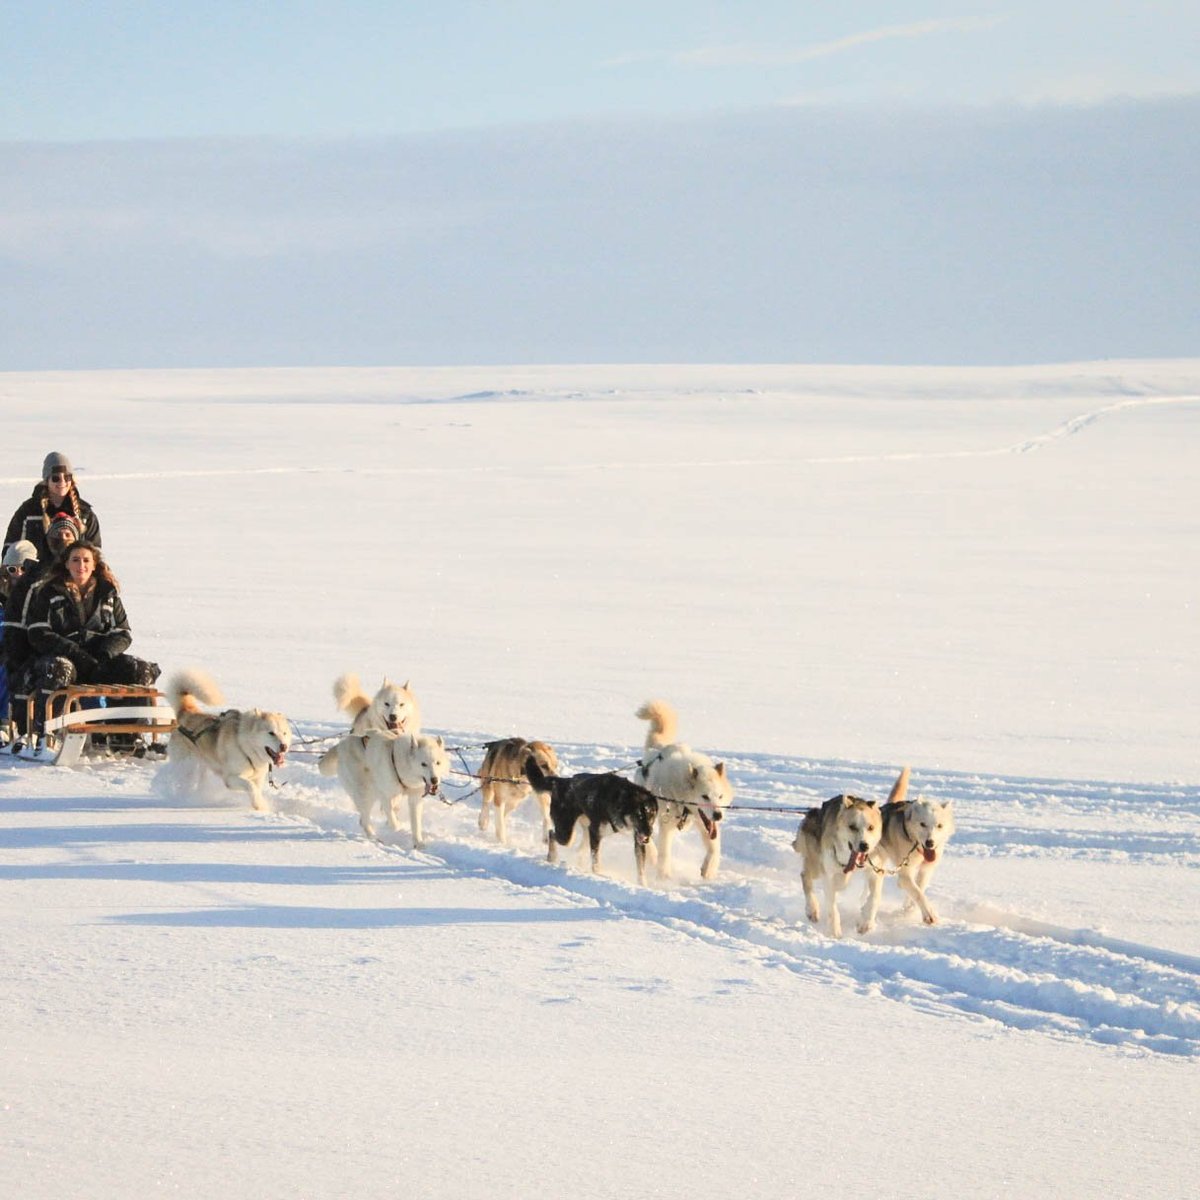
123	719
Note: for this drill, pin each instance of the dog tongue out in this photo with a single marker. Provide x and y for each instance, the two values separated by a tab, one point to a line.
930	853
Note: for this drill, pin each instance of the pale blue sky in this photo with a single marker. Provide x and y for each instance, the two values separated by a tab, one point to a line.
93	69
264	183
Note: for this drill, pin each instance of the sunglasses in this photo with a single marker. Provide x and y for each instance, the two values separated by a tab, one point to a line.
15	570
61	477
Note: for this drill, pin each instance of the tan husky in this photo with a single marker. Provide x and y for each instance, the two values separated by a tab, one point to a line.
504	785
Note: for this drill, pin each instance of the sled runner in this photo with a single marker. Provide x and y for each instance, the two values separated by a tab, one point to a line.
133	720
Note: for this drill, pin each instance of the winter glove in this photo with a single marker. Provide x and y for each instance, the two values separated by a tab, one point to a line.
85	663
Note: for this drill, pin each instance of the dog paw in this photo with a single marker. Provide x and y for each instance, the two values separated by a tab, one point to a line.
931	919
865	926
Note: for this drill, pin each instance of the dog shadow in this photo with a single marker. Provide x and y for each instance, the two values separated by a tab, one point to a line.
280	916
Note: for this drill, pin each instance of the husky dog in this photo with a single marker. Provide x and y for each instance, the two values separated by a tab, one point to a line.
239	745
393	709
915	833
835	839
691	788
602	803
504	784
378	768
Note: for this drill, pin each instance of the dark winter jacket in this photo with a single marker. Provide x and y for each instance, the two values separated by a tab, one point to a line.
32	519
58	625
17	652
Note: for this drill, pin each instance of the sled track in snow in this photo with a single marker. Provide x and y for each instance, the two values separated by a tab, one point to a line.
1066	429
980	963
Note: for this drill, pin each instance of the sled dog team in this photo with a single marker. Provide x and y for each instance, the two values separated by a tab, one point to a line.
385	758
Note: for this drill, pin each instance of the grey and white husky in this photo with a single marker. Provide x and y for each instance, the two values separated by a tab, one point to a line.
915	833
835	840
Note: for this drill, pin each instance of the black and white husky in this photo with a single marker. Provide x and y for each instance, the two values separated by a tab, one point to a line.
602	803
915	833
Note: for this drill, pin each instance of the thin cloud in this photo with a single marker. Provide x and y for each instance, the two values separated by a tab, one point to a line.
760	56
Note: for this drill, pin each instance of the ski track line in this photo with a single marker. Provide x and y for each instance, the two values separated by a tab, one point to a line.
1121	995
1004	968
980	963
1067	429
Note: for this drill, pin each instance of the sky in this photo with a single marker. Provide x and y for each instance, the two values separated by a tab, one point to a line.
87	70
373	184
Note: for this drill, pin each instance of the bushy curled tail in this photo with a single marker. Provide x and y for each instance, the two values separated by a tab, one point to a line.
899	790
348	692
328	761
188	689
663	723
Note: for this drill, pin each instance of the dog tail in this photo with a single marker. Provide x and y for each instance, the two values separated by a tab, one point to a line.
899	789
348	692
328	761
188	689
538	779
663	723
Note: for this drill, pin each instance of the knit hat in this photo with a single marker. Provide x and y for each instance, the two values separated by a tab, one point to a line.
56	462
20	553
62	521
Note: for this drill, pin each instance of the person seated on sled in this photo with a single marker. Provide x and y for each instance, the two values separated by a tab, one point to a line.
19	558
57	493
79	630
16	651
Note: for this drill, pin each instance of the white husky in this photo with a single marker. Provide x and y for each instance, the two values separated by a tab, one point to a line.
240	746
379	768
392	709
915	833
835	839
691	788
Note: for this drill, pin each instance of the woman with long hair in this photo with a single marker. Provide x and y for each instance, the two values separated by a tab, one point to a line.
79	629
56	494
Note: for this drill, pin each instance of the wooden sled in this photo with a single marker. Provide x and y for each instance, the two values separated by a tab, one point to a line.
139	710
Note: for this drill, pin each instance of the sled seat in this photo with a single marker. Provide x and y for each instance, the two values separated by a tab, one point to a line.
143	711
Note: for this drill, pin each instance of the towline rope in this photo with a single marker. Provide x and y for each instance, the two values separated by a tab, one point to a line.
466	771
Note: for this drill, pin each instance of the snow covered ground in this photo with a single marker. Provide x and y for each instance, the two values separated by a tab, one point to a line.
989	574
